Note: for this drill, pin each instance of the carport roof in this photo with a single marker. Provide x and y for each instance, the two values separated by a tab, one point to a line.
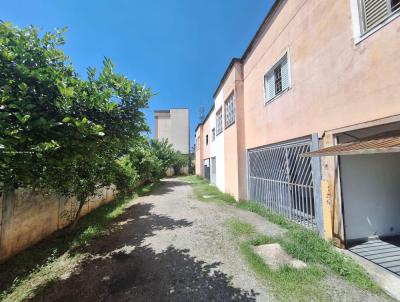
383	143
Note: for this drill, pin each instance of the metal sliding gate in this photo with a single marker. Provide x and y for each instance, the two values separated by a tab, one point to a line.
282	180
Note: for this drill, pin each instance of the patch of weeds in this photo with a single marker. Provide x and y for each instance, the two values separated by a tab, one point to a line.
299	242
264	212
287	283
26	273
308	246
206	192
241	228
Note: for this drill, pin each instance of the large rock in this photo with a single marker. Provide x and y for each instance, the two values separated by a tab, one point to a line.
276	257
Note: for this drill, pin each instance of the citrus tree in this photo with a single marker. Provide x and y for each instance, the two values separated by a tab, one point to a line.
58	132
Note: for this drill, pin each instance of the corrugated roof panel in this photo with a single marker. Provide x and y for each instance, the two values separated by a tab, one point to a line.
366	146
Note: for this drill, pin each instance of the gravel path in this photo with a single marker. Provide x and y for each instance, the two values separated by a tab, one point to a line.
170	247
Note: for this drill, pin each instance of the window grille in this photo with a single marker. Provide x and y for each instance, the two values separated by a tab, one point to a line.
230	110
277	80
218	121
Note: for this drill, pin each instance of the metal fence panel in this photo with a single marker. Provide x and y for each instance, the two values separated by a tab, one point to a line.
282	180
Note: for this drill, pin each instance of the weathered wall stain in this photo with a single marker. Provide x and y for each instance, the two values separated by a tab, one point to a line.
27	217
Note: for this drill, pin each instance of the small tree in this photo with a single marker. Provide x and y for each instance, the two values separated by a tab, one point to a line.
144	158
58	132
170	157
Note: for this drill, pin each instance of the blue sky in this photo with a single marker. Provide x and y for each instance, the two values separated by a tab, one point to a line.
179	48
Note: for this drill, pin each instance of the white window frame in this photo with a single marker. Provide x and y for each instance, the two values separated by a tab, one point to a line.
358	22
219	123
232	99
271	70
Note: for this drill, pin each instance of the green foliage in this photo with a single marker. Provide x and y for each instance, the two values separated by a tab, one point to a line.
126	177
264	212
288	284
148	165
206	192
301	243
170	158
58	132
308	246
241	228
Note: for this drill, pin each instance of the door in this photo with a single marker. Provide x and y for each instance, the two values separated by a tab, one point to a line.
207	169
213	178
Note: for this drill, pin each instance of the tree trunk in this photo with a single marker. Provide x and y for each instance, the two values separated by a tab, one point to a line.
76	219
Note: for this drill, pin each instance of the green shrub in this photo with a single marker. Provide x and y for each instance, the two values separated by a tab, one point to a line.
60	132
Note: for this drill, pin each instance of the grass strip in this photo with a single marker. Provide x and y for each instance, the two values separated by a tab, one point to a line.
299	242
206	192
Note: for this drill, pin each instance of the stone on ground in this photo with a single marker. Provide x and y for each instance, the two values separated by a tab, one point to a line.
276	257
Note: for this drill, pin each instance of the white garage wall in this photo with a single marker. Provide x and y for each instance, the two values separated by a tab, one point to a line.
371	194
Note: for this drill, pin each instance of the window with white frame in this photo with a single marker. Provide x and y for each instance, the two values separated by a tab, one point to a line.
230	110
218	121
213	134
277	79
375	12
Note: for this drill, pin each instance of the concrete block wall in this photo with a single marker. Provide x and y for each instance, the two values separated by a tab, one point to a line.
27	217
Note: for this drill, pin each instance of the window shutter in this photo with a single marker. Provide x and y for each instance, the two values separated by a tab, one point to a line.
285	73
375	11
270	86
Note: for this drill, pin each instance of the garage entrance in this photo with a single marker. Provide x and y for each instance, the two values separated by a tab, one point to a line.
371	195
369	169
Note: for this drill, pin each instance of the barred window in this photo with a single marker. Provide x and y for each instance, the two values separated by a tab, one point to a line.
374	12
277	80
230	110
218	121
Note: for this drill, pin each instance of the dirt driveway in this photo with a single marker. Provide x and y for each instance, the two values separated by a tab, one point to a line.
167	247
170	247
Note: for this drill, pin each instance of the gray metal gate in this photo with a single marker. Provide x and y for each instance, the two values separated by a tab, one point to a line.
282	180
207	169
213	177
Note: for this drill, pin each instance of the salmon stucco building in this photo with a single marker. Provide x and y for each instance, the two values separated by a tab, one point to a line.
307	120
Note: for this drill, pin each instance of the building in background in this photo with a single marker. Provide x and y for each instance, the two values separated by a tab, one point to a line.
173	125
307	121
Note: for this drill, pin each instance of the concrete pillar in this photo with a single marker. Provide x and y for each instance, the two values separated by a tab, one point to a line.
316	172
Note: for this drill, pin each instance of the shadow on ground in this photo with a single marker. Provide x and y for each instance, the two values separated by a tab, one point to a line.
168	186
120	269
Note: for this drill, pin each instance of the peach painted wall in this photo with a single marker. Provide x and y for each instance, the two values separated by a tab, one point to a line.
230	141
203	152
206	131
234	149
335	83
199	152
